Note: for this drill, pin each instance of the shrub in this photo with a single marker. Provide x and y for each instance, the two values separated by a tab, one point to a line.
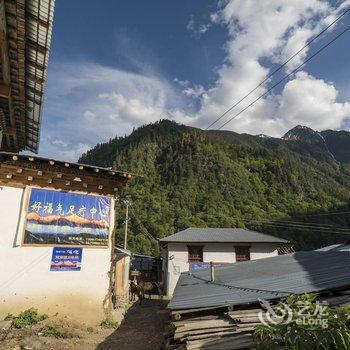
26	318
109	322
58	331
332	331
52	331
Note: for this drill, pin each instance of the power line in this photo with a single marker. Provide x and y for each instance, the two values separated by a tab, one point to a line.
326	214
279	68
297	227
141	225
286	77
303	223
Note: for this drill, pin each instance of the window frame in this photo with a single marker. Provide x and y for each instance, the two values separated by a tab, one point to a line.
244	247
194	246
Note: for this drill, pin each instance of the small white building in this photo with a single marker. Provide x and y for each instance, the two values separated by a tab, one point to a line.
195	248
57	238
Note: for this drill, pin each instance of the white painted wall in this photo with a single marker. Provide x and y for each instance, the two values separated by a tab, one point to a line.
25	276
176	260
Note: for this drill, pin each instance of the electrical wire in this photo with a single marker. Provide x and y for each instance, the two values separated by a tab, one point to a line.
286	76
294	227
305	224
324	214
279	68
141	224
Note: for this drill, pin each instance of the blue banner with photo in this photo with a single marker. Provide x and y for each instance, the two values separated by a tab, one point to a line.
64	218
198	265
66	259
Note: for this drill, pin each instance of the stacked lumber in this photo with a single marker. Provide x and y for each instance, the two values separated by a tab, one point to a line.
219	331
225	329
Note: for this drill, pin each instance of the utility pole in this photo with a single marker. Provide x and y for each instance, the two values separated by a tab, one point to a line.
127	204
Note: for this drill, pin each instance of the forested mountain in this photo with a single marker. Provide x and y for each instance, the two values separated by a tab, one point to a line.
189	177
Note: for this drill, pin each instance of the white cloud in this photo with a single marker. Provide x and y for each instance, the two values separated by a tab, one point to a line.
88	115
199	29
100	103
312	102
59	143
72	154
270	32
195	91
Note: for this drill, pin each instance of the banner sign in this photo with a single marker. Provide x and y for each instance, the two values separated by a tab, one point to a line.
66	259
63	218
195	266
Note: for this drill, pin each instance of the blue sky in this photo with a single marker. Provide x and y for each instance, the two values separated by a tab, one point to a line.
127	63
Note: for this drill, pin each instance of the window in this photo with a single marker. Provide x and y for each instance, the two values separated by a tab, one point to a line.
195	253
242	253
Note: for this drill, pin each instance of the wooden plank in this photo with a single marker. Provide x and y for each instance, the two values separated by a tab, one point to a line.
248	319
194	310
5	91
198	318
234	342
178	336
211	335
205	325
244	312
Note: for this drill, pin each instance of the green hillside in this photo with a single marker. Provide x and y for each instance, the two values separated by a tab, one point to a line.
190	177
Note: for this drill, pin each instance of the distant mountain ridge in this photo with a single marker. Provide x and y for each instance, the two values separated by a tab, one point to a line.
68	220
335	143
216	178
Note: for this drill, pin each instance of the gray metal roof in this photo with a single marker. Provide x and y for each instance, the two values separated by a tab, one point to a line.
269	278
336	247
121	250
228	235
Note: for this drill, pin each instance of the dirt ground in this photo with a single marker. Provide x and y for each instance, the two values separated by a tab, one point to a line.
142	328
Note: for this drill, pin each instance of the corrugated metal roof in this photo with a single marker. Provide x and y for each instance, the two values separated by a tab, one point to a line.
39	19
122	251
229	235
26	26
336	247
270	278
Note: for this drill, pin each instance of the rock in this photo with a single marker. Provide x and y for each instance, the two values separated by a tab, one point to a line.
31	344
5	325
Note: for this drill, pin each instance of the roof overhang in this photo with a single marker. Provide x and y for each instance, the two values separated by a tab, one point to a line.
23	170
25	37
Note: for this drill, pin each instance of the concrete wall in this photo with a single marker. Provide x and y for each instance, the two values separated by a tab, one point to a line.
176	257
25	276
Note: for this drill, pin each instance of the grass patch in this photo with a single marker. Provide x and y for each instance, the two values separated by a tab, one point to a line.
57	331
109	323
26	318
52	331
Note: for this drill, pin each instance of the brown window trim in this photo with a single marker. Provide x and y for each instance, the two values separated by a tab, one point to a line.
242	256
191	246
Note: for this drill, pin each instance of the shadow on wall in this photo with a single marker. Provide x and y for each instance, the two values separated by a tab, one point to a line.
141	329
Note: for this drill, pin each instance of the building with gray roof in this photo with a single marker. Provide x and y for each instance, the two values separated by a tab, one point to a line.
194	249
268	279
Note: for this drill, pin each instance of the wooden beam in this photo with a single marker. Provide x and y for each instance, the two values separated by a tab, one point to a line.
4	45
5	91
34	91
10	131
38	20
34	45
34	64
34	78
